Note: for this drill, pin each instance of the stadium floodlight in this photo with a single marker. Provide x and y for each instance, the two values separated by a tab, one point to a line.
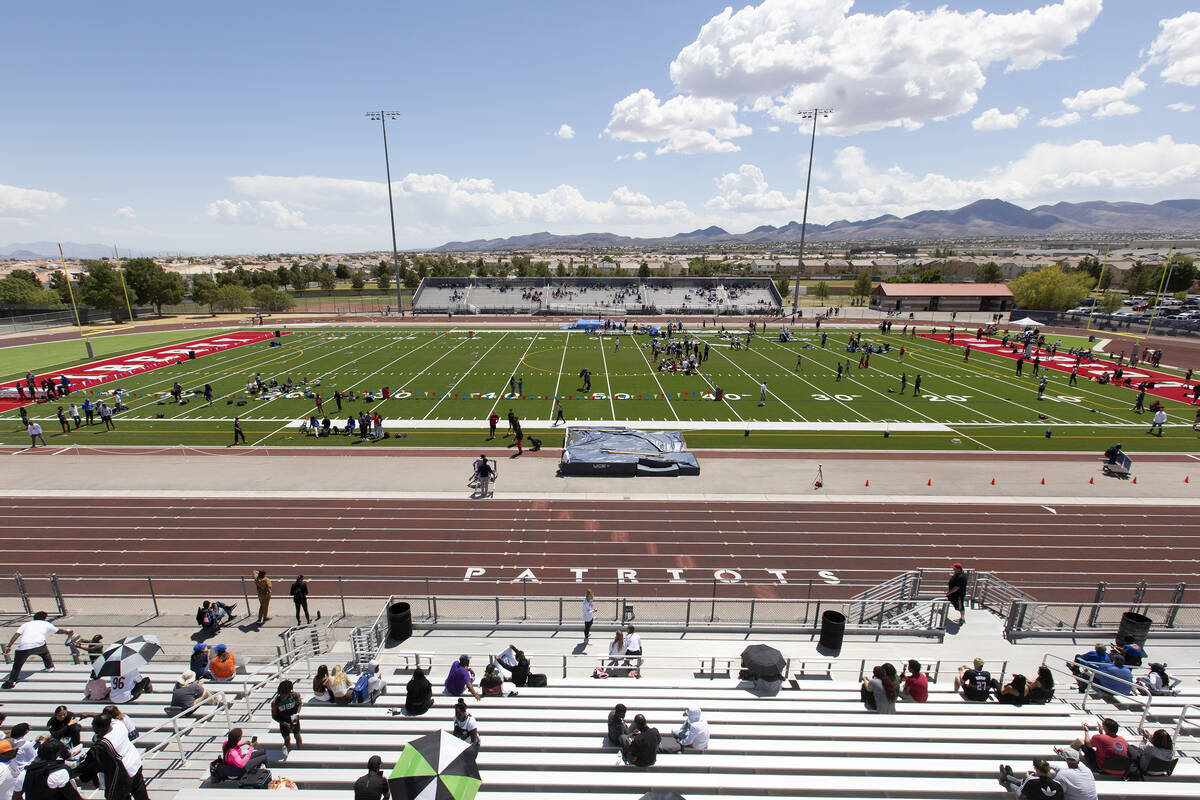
383	117
813	114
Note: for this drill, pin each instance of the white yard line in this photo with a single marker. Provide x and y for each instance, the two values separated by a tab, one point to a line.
500	394
607	380
654	374
446	393
562	362
758	382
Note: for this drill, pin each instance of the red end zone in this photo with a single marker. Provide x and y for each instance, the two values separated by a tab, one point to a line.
87	375
1168	387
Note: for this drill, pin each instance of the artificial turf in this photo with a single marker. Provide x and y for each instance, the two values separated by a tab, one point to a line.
444	383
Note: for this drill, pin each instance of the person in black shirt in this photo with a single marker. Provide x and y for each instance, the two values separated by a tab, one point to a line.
642	750
47	777
618	730
975	684
285	709
299	592
372	786
956	592
1039	785
419	698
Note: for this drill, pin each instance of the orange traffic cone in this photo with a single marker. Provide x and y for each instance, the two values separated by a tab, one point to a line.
1135	478
929	482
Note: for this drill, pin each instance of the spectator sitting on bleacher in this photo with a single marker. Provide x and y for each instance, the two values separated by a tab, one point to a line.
223	665
241	757
916	683
693	734
461	677
8	772
64	725
188	691
1041	691
493	684
376	683
419	695
464	724
642	748
1077	780
879	692
1097	655
200	659
340	688
1104	752
1131	651
320	689
95	690
124	719
1037	785
129	686
27	746
975	682
1115	677
1154	748
514	661
1014	692
372	786
618	729
47	777
1158	682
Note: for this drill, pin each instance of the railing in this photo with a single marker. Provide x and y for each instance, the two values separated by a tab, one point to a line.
1183	712
306	651
1171	620
1086	674
923	618
220	705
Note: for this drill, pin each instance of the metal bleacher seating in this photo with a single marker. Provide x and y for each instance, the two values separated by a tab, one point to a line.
813	740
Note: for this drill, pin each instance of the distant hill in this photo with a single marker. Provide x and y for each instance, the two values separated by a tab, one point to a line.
983	218
32	250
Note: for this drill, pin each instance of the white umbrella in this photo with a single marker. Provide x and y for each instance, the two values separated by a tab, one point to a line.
1028	322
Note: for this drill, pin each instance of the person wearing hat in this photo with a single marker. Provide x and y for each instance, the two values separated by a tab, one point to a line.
8	771
974	682
956	592
188	691
200	659
223	665
372	786
693	735
1078	782
461	677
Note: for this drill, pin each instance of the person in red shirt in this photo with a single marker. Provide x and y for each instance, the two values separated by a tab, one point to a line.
1100	747
492	421
916	683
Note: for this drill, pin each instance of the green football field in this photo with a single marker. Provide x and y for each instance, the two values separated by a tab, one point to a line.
443	384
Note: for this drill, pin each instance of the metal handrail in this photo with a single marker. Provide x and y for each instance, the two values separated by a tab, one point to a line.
217	699
1137	694
1179	722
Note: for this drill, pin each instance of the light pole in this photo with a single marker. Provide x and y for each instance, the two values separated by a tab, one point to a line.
383	117
822	113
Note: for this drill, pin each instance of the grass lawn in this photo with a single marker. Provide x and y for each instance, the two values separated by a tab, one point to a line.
444	385
17	359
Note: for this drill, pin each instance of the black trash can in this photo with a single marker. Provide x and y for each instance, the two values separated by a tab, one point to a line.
399	617
1135	625
833	630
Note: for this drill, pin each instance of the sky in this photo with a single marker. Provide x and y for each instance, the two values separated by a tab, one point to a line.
229	128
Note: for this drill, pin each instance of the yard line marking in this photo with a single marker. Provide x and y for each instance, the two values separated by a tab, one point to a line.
446	393
777	397
562	362
654	375
607	379
500	394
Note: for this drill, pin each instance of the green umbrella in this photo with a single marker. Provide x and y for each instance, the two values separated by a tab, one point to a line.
438	766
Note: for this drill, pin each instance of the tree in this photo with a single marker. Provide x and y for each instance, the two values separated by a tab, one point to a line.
862	284
61	284
1109	303
784	285
27	276
1092	266
1138	277
231	298
297	278
139	274
643	270
989	273
270	299
342	272
356	280
411	279
561	270
100	287
326	278
821	290
204	291
1183	274
384	280
1050	288
166	287
16	291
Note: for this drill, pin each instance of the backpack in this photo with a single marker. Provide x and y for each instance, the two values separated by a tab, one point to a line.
360	692
599	672
537	679
256	779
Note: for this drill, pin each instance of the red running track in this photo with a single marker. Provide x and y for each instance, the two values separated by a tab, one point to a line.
672	548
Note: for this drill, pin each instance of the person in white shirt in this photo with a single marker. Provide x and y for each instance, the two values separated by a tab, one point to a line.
589	615
8	770
129	686
26	745
633	646
111	733
376	684
30	640
1077	780
694	732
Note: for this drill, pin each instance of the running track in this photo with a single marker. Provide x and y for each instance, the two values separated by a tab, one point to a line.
383	543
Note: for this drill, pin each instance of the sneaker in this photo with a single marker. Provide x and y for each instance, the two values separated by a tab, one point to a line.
8	684
52	669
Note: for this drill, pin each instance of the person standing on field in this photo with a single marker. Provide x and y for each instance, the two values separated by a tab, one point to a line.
558	412
493	420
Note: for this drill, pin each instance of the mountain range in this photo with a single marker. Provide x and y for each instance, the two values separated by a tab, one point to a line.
36	250
981	219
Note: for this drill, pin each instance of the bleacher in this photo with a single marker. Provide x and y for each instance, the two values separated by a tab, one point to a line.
813	740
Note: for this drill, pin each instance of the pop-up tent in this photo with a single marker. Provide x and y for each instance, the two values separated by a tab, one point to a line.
1028	322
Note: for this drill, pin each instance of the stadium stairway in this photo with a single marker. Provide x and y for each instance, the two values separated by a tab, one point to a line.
813	740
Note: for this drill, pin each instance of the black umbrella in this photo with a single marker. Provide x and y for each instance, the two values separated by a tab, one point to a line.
126	655
661	794
764	661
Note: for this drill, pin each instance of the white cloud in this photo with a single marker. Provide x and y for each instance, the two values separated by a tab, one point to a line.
437	202
684	124
1184	107
638	156
564	131
1046	173
1061	121
1178	46
126	212
263	213
897	69
995	120
17	203
1117	108
1090	98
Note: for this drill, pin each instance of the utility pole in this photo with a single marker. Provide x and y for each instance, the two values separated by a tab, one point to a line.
383	117
822	113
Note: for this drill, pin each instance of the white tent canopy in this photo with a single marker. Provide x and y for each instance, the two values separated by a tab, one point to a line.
1028	322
